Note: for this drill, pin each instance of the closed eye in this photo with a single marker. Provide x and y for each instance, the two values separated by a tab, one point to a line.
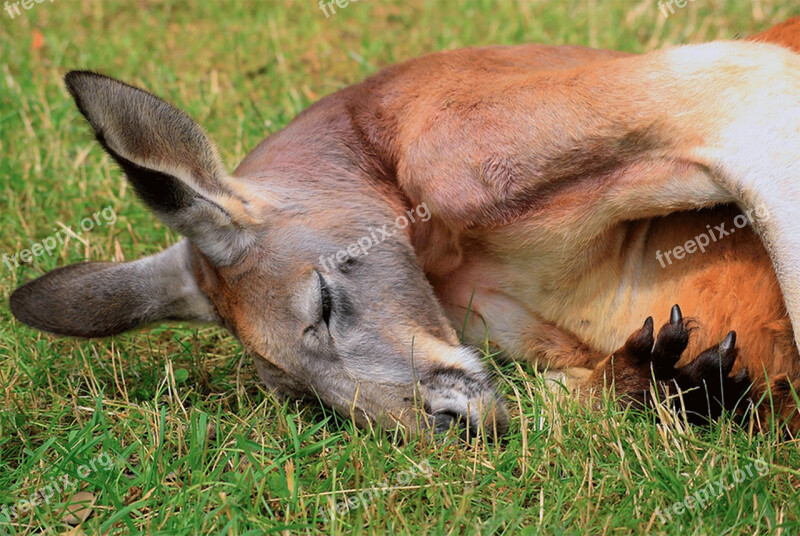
326	300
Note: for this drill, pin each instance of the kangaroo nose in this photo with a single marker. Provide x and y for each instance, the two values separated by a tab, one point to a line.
467	427
464	396
446	419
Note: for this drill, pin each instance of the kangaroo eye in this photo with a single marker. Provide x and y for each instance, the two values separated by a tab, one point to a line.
326	300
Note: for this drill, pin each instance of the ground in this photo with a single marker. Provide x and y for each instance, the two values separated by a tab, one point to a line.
167	431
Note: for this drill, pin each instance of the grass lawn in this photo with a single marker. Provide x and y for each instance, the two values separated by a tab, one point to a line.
169	432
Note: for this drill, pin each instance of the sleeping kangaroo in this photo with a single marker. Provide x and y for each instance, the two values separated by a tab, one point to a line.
565	191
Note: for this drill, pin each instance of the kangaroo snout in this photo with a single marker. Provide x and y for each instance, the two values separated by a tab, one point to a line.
455	398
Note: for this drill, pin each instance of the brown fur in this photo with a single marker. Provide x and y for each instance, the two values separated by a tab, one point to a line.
733	286
554	176
785	34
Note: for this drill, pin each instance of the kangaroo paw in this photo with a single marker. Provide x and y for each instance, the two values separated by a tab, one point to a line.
707	387
703	388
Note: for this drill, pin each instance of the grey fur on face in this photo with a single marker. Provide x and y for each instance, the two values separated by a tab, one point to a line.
367	337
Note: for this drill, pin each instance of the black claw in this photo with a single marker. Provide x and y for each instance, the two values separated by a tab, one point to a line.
727	353
675	316
728	343
640	344
648	325
670	345
707	388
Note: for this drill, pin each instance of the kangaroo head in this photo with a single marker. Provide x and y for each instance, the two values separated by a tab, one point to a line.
262	257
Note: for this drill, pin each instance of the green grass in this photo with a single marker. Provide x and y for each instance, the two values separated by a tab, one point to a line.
198	446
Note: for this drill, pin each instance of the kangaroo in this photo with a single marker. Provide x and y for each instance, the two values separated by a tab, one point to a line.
552	177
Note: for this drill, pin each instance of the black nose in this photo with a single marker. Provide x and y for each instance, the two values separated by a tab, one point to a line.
444	420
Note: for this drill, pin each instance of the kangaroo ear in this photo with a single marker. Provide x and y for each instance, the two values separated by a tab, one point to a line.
99	299
170	162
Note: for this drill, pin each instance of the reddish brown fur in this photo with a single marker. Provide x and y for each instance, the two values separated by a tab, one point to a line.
733	286
739	272
482	192
730	287
786	33
736	271
554	178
